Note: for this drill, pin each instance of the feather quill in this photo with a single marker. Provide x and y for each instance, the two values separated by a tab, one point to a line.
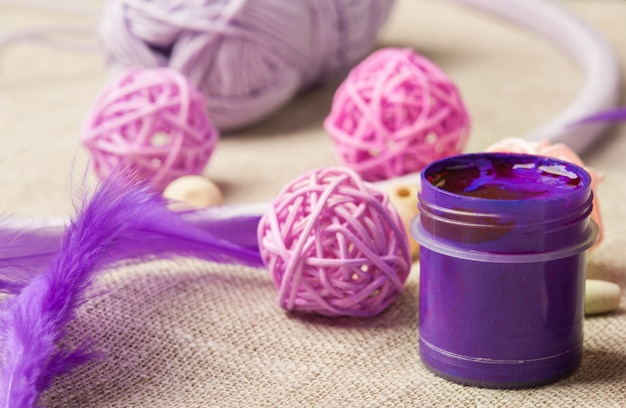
122	220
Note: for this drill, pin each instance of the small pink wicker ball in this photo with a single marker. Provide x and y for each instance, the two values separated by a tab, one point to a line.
335	245
395	113
154	122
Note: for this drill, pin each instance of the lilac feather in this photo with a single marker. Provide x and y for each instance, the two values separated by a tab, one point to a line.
122	220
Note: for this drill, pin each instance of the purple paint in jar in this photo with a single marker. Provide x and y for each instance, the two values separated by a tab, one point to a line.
502	268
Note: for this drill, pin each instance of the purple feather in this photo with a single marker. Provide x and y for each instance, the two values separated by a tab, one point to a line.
27	245
612	115
122	220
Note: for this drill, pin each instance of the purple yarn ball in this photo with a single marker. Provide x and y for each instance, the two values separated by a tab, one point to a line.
247	57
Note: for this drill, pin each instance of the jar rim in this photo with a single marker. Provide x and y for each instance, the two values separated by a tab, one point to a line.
468	159
539	212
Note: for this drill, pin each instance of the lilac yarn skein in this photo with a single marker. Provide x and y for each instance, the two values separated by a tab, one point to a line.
247	57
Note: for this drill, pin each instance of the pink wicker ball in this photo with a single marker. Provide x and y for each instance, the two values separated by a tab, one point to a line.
334	245
154	122
395	113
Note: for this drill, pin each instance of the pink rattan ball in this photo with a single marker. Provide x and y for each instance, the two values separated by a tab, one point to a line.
395	113
154	122
335	245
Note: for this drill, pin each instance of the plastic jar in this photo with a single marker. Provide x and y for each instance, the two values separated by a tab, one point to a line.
502	268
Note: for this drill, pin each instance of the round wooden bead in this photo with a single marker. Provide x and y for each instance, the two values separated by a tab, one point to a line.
601	296
404	199
196	191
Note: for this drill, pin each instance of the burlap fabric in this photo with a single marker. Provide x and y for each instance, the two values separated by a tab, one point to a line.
192	334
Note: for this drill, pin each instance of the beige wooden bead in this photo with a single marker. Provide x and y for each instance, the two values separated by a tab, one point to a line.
415	272
404	198
195	191
601	296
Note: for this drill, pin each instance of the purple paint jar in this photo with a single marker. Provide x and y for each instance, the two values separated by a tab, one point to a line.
502	268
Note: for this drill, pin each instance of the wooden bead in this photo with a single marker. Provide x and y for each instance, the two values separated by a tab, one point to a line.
195	191
404	198
601	296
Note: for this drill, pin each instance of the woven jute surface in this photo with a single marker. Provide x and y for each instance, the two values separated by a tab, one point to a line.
185	333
